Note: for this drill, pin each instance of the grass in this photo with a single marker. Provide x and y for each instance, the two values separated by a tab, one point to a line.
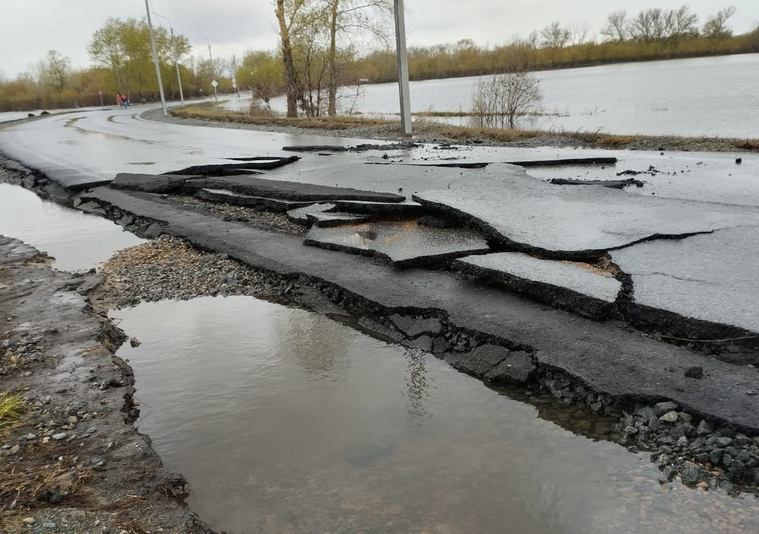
327	123
464	134
11	406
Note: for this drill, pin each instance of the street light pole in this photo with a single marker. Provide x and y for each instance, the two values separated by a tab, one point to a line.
176	65
155	60
400	50
214	83
176	56
234	77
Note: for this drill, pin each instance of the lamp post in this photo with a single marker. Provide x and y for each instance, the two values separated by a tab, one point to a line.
402	57
155	60
176	57
214	83
234	77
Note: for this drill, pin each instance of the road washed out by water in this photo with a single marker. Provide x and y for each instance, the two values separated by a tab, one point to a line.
284	420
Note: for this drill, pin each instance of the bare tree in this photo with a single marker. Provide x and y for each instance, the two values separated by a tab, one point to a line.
502	99
715	26
554	36
55	70
659	26
617	27
679	23
287	12
579	33
350	18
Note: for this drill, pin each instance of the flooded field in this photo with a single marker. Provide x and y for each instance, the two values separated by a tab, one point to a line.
709	96
287	421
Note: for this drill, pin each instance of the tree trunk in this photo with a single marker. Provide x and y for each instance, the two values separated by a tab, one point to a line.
291	77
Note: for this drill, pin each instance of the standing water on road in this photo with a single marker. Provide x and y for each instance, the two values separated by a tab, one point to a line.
76	240
285	421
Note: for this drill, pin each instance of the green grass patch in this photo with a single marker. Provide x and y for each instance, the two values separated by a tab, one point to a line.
11	407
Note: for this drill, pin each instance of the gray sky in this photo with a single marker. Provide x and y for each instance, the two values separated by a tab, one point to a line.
29	28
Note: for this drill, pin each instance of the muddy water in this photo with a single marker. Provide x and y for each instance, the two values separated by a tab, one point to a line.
285	421
76	240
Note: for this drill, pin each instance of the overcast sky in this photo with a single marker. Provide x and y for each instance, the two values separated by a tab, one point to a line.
29	28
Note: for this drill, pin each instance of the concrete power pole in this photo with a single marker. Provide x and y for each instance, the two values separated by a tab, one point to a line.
400	50
155	60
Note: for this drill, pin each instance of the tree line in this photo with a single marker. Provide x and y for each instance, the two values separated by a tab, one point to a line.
325	44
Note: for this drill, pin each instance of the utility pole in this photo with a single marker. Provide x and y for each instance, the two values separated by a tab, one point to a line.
176	65
214	83
234	77
400	51
176	56
155	60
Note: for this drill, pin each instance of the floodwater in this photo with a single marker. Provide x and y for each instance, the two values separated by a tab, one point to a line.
76	240
285	421
713	96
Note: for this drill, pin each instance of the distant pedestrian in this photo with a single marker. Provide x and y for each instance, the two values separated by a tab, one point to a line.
118	99
124	101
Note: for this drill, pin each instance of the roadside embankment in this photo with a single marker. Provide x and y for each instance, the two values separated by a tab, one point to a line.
73	461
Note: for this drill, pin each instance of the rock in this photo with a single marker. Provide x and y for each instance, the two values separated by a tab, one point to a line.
517	367
661	408
691	474
177	486
669	417
14	449
422	343
134	342
60	436
414	327
704	428
694	372
480	361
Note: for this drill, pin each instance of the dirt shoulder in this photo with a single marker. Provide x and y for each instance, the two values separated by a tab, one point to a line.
73	462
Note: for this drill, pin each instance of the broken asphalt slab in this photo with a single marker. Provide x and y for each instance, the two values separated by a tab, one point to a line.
606	357
288	190
705	285
150	183
405	244
567	222
225	196
248	164
564	285
250	186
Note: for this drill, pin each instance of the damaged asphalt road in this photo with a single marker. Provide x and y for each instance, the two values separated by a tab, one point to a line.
633	284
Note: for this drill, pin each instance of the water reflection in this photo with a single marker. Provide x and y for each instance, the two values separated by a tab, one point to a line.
417	387
77	241
383	440
313	344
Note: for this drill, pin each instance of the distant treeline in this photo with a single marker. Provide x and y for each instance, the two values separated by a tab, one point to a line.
120	51
467	59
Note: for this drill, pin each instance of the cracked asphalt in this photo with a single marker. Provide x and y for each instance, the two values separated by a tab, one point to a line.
684	244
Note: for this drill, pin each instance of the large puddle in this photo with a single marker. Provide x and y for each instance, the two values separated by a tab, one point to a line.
285	421
76	240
